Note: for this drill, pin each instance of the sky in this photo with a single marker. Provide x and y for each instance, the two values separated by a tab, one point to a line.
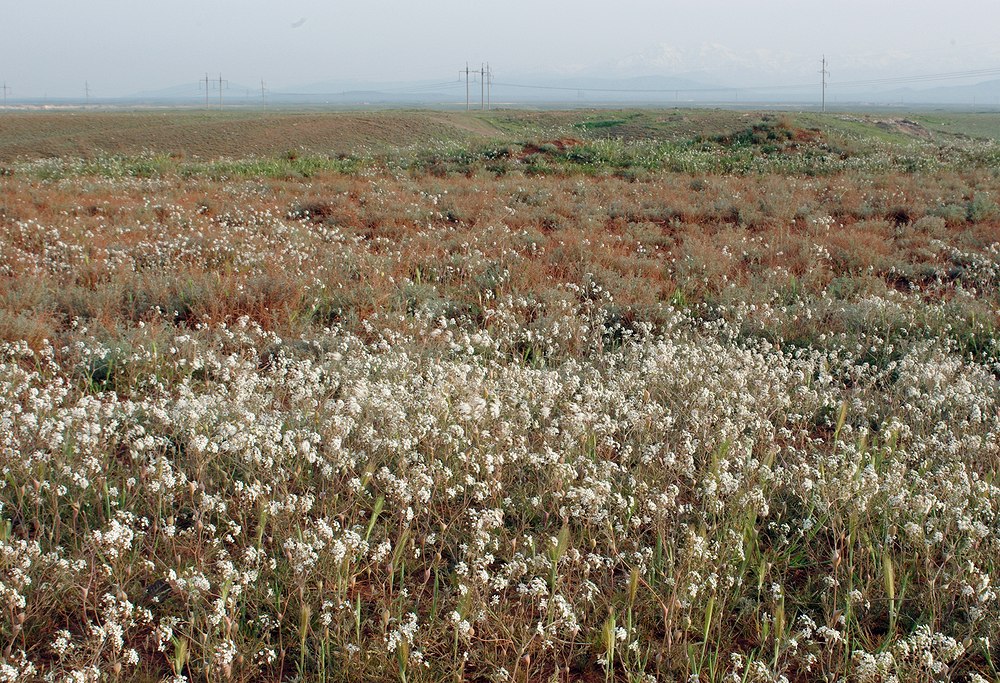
121	47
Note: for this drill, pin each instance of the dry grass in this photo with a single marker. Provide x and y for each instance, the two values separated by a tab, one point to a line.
433	422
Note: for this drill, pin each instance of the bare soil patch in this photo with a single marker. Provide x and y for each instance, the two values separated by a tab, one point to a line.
905	127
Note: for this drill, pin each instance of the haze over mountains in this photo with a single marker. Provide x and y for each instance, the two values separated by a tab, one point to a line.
396	51
663	74
579	89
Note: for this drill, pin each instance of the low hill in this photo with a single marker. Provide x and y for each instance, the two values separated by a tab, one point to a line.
202	134
205	134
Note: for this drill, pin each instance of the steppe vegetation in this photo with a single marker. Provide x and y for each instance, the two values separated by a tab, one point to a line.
565	396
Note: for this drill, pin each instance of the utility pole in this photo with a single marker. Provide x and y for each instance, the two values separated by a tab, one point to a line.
485	74
5	91
466	72
220	90
263	94
219	83
86	90
489	87
824	73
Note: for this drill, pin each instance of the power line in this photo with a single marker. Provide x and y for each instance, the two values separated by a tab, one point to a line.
633	90
924	78
425	87
920	78
414	90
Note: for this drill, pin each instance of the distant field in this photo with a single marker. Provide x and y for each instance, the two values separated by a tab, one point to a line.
629	396
205	135
971	125
214	134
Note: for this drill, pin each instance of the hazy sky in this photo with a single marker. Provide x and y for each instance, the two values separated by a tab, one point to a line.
123	46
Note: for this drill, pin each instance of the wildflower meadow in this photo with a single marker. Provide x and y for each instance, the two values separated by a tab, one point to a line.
566	403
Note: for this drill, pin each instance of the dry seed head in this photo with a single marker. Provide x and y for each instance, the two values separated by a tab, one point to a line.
889	574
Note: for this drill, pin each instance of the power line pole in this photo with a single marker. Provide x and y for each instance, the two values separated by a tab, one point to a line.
209	84
263	94
86	90
489	87
482	87
824	73
466	72
220	89
5	91
207	89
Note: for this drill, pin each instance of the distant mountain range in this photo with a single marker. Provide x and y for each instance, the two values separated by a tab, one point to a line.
573	90
986	94
582	90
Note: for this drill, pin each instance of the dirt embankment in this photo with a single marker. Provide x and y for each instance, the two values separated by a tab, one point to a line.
904	127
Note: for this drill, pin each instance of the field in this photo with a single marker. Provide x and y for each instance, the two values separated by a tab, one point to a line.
513	396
